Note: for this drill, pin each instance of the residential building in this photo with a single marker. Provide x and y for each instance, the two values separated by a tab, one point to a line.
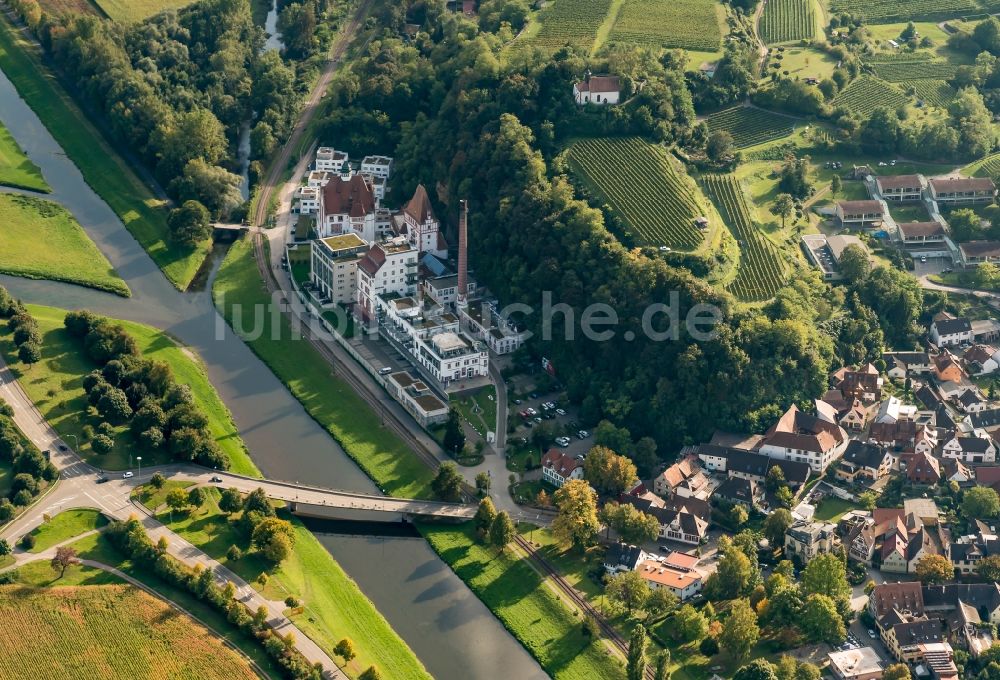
600	90
329	159
681	519
748	465
966	551
559	467
739	491
947	369
985	330
307	200
389	268
423	230
972	401
892	411
892	540
900	188
948	331
982	359
899	436
962	190
975	253
899	365
920	468
863	461
917	234
484	321
865	214
623	557
377	166
432	339
825	252
856	664
417	398
334	267
803	438
970	450
347	206
809	539
863	384
856	418
675	476
317	179
676	572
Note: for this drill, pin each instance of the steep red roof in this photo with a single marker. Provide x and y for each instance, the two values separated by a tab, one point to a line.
353	197
599	84
373	261
419	207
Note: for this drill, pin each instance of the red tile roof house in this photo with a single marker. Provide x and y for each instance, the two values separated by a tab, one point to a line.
861	214
962	190
597	90
558	467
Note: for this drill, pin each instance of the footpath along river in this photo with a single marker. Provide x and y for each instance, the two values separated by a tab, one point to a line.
453	633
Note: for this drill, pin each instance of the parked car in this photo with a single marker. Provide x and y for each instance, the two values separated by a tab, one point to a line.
128	475
872	634
102	479
537	419
517	402
215	479
560	411
385	370
562	441
582	434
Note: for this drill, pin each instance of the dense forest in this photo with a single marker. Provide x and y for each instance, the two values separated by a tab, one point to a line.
458	118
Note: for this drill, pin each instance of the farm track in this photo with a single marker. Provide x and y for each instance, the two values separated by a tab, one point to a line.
570	592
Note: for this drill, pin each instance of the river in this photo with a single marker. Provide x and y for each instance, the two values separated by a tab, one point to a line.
453	633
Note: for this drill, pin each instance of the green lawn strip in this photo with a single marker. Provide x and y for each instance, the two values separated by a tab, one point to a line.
16	169
55	385
831	509
66	525
98	548
152	498
333	605
518	596
40	574
103	169
40	239
137	10
327	398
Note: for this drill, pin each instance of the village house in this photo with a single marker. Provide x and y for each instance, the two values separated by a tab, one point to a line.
966	551
809	539
856	664
804	438
864	383
970	450
972	401
676	572
559	467
865	214
623	557
962	190
681	519
856	418
899	365
916	234
739	491
685	478
601	90
920	468
947	330
892	540
900	188
749	465
863	461
892	411
947	369
982	359
899	436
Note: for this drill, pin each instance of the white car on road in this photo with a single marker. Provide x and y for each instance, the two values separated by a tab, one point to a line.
127	475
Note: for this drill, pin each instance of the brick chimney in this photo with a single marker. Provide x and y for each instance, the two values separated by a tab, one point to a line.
463	251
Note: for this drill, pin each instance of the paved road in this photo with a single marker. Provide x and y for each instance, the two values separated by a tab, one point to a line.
78	488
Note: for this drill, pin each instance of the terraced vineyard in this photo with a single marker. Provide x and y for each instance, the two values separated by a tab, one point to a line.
641	183
750	127
570	21
787	20
899	71
892	11
889	57
987	167
932	92
762	270
688	24
866	94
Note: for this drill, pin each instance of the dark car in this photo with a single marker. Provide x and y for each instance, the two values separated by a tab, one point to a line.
102	479
216	479
63	447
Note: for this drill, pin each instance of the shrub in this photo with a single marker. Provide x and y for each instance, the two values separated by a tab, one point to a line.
23	498
234	553
102	444
291	601
28	541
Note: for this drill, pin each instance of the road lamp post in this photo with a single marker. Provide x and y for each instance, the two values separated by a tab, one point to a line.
139	458
76	441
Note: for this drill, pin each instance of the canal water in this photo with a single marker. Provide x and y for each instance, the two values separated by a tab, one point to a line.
453	633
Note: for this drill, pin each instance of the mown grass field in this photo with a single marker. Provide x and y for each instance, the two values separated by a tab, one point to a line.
16	169
69	7
750	127
55	385
327	398
516	593
108	632
66	525
104	170
644	186
40	239
334	606
688	24
788	20
137	10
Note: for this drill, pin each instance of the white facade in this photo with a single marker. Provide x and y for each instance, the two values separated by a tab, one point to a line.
977	449
334	267
308	200
377	166
329	159
389	268
484	322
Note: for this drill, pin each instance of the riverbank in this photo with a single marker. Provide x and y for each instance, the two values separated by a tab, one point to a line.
55	385
332	605
143	215
239	295
16	169
42	240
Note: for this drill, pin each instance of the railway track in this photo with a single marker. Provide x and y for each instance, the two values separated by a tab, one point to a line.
570	592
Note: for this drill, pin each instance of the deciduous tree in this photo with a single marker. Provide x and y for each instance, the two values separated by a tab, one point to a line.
64	558
934	569
689	624
501	531
447	484
776	524
739	632
576	523
628	589
485	515
897	671
631	524
826	575
345	650
635	668
608	472
820	621
980	502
